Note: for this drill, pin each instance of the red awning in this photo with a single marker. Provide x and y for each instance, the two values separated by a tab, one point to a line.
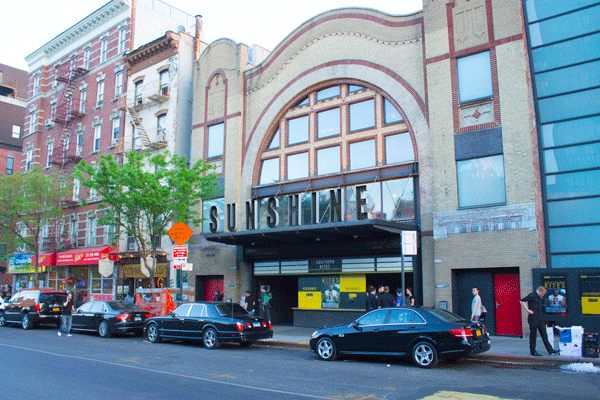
83	256
46	259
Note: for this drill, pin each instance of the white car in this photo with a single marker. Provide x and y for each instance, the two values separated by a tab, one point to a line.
3	303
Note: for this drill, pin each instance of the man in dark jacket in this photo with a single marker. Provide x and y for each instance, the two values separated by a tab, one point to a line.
384	298
371	299
532	303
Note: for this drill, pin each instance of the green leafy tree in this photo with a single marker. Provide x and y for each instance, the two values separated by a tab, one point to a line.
28	202
146	194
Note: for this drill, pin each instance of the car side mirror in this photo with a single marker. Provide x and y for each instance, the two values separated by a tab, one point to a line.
172	314
357	326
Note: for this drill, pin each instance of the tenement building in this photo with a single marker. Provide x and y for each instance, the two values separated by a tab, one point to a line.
358	131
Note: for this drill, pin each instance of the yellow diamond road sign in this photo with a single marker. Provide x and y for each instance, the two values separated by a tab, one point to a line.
180	233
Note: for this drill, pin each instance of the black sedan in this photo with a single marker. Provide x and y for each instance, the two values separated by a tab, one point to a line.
424	334
211	322
110	317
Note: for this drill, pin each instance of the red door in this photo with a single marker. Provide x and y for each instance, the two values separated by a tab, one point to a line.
211	286
508	308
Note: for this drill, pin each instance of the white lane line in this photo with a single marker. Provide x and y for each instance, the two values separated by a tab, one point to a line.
169	373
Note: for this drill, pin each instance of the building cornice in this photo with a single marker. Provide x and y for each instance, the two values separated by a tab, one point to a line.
159	49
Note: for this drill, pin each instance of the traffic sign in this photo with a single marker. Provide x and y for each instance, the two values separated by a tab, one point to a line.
180	233
180	254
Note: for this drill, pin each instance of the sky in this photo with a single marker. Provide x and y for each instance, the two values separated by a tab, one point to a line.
27	25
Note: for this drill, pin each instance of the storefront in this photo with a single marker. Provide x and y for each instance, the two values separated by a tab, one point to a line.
131	277
22	267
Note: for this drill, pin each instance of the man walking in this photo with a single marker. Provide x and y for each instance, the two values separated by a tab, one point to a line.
67	316
532	304
475	305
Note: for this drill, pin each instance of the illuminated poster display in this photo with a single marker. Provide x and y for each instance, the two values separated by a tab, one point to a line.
589	287
555	301
332	292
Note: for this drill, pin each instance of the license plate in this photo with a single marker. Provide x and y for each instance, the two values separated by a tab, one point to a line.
56	309
477	332
138	318
256	324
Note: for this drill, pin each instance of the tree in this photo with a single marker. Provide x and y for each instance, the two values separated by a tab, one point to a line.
28	202
146	194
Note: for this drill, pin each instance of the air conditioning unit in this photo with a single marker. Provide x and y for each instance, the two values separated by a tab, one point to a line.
131	246
49	123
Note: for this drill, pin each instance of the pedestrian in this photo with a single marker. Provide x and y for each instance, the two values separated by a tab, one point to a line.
129	298
67	316
218	296
249	306
532	303
147	297
410	299
399	299
265	304
385	299
371	299
380	296
475	305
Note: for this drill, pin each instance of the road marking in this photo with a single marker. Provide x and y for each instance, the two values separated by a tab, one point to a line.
448	395
170	373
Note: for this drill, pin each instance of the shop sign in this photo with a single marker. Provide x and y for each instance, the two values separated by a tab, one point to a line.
134	271
80	257
187	267
319	266
101	297
332	292
106	267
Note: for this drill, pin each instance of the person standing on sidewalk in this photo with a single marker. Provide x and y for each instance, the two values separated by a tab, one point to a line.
67	316
371	299
532	303
476	305
265	304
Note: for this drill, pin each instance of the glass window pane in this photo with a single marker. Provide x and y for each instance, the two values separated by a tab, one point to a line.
328	93
572	212
362	154
206	205
569	106
355	88
575	260
566	53
274	141
297	166
328	160
391	114
362	115
301	103
540	9
481	181
565	26
578	77
298	130
398	148
571	132
398	199
328	123
572	158
269	171
575	184
568	240
474	77
216	137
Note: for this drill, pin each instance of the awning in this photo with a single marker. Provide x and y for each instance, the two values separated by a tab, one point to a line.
90	255
46	259
333	231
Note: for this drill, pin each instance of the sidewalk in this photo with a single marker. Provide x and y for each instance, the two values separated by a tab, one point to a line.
503	349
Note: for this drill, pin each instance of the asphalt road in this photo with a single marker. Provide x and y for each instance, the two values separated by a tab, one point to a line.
38	364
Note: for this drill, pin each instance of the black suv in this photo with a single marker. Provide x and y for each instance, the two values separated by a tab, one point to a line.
32	306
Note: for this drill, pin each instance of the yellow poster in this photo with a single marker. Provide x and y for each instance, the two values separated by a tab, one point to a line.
353	283
309	300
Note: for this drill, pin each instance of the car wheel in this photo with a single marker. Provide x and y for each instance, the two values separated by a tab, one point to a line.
2	320
26	322
246	343
103	330
152	333
424	355
326	349
210	339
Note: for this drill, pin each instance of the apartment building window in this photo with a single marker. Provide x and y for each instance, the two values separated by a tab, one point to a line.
362	115
136	138
76	187
32	124
122	39
16	131
36	84
10	165
398	149
97	133
391	115
79	149
161	128
328	160
50	152
118	84
481	181
66	144
328	93
164	82
82	100
138	92
104	50
274	143
474	77
53	109
86	58
92	231
328	123
100	93
116	124
216	138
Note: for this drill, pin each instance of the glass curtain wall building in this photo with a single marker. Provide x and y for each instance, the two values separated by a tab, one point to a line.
564	45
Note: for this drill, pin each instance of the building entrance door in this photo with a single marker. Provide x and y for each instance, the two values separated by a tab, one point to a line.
508	314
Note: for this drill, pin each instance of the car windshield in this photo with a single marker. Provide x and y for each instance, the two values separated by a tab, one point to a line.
123	306
444	315
231	309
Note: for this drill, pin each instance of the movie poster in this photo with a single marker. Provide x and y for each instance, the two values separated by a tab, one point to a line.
555	301
330	290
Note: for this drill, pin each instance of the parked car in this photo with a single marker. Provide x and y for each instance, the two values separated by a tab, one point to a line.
110	317
211	322
424	334
30	307
3	302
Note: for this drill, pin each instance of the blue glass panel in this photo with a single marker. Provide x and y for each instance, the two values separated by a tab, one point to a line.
566	26
474	77
574	239
328	123
362	115
274	144
328	93
481	181
576	261
391	114
298	130
328	160
354	88
578	77
566	53
573	212
540	9
576	184
571	132
572	158
206	205
398	148
574	105
269	171
398	199
297	166
362	154
301	103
